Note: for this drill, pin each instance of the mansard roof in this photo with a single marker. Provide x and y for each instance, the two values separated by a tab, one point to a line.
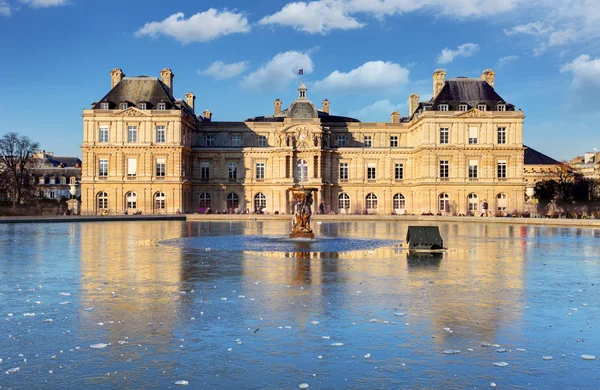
533	157
470	91
325	118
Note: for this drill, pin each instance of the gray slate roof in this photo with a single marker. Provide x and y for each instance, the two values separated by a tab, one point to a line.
533	157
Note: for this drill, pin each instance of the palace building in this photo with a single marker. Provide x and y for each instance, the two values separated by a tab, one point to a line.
145	150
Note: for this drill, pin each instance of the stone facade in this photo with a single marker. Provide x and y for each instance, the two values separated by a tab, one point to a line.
447	155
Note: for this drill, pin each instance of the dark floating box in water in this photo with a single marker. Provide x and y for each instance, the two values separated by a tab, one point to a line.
424	238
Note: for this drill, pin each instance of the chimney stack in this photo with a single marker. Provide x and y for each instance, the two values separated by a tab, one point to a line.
207	114
439	78
325	106
116	75
190	99
413	103
166	76
488	76
276	107
395	117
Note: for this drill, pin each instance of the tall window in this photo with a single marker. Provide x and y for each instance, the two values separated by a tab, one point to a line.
473	174
371	171
161	167
501	135
444	135
501	107
161	134
104	106
393	141
444	202
123	106
368	141
159	201
236	140
103	134
501	202
444	169
204	201
462	107
131	200
473	135
232	166
399	171
260	170
131	134
205	170
343	171
262	141
341	141
443	107
371	201
302	171
162	106
343	201
210	140
103	167
131	167
482	107
472	203
102	200
233	201
260	202
399	202
502	169
142	106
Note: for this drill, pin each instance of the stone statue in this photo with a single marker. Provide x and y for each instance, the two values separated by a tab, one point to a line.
303	199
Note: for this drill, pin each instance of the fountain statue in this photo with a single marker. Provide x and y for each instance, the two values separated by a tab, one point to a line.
303	200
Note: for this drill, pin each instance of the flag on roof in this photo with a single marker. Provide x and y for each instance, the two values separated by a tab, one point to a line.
301	71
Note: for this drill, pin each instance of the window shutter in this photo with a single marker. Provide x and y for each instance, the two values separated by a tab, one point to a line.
131	166
473	132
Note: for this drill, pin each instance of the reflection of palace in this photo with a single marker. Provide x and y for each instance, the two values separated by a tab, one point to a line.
144	150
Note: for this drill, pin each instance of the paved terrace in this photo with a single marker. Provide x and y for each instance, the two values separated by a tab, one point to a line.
332	218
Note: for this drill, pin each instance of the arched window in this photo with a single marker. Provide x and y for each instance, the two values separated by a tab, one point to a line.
444	202
233	201
204	201
160	201
501	202
260	203
399	202
343	201
302	171
371	201
131	200
472	203
102	200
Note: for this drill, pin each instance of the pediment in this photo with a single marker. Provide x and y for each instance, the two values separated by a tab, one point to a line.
132	111
472	113
302	137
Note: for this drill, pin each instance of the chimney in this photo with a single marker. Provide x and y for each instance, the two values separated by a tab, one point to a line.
413	103
439	78
166	76
488	76
325	106
395	117
207	114
116	75
189	99
276	107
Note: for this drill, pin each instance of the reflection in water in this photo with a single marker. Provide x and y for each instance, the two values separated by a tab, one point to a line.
257	318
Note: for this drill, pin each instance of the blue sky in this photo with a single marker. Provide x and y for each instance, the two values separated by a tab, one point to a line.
365	56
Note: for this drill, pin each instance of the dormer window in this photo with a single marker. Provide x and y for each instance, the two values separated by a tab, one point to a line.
462	107
104	106
443	107
123	106
162	106
501	107
142	106
481	107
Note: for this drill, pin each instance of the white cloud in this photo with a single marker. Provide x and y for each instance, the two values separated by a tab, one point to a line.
279	71
379	111
201	27
533	28
464	50
371	76
585	70
44	3
220	70
506	60
453	8
314	17
4	8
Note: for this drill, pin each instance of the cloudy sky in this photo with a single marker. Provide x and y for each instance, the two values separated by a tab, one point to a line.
365	56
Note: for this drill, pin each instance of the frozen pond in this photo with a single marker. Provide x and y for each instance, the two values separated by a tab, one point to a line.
149	304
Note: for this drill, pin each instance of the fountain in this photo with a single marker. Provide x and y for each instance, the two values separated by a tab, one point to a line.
303	200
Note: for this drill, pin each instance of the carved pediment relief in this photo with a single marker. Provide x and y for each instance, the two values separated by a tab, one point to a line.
132	112
472	113
301	137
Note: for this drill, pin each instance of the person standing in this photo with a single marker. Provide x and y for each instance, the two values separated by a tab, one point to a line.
484	207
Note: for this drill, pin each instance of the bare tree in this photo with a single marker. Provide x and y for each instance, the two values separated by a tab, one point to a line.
16	152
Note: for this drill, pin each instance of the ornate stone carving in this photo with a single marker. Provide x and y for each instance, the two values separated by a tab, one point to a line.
472	113
132	112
